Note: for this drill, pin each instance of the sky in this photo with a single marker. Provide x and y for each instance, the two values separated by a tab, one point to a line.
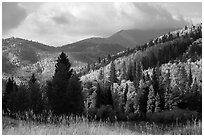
57	24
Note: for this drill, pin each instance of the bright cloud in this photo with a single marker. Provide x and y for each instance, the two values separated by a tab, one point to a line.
61	23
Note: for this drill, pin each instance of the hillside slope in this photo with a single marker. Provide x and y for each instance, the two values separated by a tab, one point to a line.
162	49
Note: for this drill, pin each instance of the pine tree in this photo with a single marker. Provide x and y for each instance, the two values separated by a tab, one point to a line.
63	61
101	75
140	104
112	74
93	98
138	74
190	77
151	100
130	72
98	96
109	96
157	83
195	101
123	73
99	60
74	99
10	88
181	79
134	69
155	79
168	94
88	68
157	103
129	107
35	95
109	57
124	100
21	101
65	88
32	79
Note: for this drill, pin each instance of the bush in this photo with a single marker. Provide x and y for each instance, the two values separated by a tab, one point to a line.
176	115
91	113
133	117
120	116
104	112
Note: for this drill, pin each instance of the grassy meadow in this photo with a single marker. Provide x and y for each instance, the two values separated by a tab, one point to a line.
82	126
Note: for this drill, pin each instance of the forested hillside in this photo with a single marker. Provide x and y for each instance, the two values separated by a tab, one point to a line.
162	75
160	81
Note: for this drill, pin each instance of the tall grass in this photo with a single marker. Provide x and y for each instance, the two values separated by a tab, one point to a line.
80	125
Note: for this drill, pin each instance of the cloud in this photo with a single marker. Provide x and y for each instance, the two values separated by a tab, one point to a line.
61	23
154	16
12	15
60	19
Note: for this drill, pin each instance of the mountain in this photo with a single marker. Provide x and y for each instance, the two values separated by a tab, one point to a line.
22	57
133	37
129	38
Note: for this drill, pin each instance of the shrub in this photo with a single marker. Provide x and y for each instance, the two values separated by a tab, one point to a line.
120	116
91	113
104	112
133	117
176	115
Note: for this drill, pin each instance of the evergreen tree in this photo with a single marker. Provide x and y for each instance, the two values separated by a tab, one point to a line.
8	90
88	68
142	100
99	60
129	107
195	101
138	74
74	100
21	101
181	79
63	61
151	100
130	72
155	79
101	75
9	94
98	96
168	94
157	103
32	79
109	57
190	77
35	95
92	99
112	74
123	73
124	100
134	69
66	89
157	83
109	97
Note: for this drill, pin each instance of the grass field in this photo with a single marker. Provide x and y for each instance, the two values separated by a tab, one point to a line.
18	127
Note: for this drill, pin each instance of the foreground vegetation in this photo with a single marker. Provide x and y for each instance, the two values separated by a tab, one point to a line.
83	126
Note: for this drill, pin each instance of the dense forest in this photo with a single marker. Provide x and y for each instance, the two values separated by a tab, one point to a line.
159	81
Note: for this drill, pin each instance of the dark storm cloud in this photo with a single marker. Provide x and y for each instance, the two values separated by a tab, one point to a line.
12	15
160	17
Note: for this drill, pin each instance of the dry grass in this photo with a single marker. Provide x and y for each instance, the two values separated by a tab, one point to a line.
83	127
